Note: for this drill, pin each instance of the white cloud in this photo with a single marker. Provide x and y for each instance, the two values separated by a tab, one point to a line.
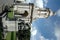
39	3
43	38
57	30
30	1
58	12
45	2
57	33
33	31
35	34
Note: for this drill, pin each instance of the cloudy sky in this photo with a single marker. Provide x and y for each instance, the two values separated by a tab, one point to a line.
49	28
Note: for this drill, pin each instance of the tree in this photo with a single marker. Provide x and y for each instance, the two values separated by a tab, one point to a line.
24	34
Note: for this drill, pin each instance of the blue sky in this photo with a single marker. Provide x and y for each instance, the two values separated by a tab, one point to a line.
53	4
47	28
